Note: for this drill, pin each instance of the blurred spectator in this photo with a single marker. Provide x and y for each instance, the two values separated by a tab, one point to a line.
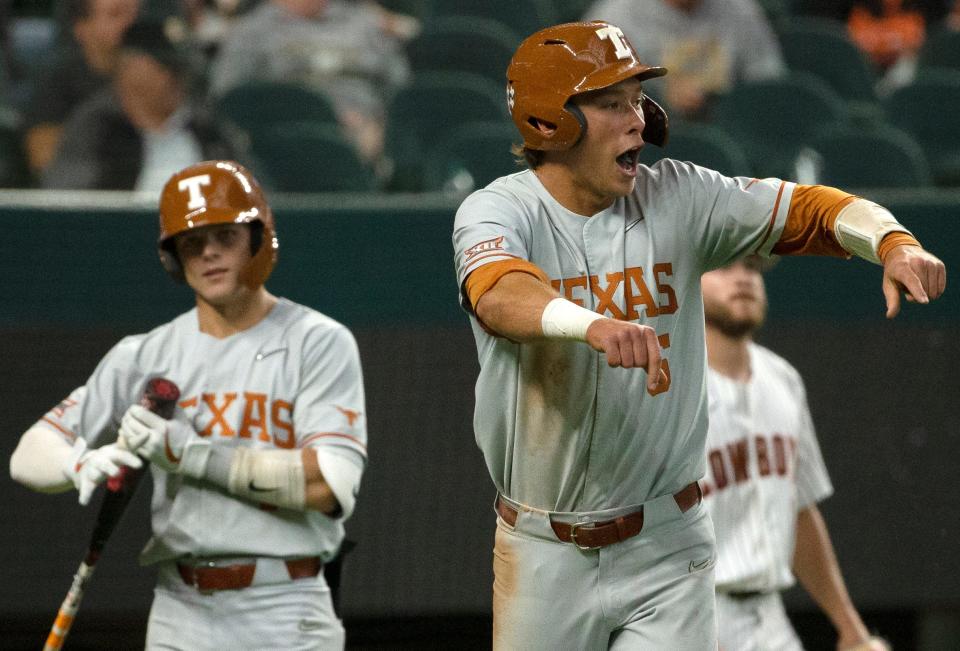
886	30
347	49
136	133
81	68
707	45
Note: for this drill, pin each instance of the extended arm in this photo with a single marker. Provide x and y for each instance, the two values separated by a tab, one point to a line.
523	307
815	565
827	221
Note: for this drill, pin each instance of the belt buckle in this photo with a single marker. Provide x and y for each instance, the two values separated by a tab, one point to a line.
573	537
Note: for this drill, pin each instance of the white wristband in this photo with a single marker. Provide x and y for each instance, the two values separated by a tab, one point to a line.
861	225
562	319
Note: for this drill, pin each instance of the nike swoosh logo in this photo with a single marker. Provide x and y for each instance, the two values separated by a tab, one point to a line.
258	489
696	567
167	450
306	625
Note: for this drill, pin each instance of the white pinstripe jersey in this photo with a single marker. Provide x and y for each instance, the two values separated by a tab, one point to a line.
763	466
560	429
292	380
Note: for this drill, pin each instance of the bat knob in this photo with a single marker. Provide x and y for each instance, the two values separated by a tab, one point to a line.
116	484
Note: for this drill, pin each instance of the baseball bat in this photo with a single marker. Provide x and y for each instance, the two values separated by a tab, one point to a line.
160	397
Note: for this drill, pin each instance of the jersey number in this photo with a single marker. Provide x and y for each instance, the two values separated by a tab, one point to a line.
663	387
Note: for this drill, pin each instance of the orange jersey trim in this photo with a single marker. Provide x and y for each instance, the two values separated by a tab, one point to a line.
892	240
810	221
482	280
773	215
320	435
59	427
493	254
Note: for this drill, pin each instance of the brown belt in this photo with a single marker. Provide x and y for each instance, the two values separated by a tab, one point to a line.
591	535
234	577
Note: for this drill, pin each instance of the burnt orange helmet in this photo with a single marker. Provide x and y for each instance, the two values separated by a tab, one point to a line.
559	62
217	192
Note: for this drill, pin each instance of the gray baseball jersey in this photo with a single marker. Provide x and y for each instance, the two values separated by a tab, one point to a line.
560	430
291	381
764	465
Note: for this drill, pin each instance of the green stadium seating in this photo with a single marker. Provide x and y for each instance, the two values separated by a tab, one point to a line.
433	106
927	109
884	157
472	157
941	50
461	43
774	119
822	48
703	144
523	17
307	157
256	105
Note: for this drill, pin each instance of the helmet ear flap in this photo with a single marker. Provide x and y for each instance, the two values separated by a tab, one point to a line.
170	261
657	129
576	112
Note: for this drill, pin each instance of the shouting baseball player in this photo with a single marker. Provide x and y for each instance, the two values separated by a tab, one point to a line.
582	279
764	478
260	466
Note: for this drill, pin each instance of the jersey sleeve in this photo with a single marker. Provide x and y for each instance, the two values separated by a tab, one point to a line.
730	217
93	411
813	481
488	228
329	409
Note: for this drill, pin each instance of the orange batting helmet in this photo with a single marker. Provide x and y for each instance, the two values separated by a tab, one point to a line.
217	192
559	62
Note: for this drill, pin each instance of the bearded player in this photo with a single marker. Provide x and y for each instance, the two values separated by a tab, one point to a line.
764	478
581	276
260	466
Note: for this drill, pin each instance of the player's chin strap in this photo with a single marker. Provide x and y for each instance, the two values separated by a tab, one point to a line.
861	225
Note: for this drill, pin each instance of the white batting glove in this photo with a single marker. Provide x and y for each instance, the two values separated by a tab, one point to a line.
173	445
87	469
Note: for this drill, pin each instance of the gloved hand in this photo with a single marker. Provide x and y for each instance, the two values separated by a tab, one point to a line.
173	445
87	469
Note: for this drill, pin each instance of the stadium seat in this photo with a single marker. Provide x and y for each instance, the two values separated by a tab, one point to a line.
307	157
433	106
703	144
822	48
13	166
884	157
468	44
927	109
472	157
941	50
523	17
773	119
260	104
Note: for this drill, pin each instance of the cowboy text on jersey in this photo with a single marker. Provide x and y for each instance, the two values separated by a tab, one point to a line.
731	464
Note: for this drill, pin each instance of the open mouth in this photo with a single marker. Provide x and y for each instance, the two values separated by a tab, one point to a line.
629	160
214	272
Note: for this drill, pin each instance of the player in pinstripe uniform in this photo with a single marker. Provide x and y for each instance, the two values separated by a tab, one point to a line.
260	465
764	478
582	279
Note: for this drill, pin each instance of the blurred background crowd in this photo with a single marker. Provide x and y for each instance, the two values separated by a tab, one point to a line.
408	95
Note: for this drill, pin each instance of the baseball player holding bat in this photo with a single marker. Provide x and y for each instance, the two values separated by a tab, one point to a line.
581	276
765	475
261	463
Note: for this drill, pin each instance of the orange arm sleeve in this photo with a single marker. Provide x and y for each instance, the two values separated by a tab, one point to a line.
483	278
810	220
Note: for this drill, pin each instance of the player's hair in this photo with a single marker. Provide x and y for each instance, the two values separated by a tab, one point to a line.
532	158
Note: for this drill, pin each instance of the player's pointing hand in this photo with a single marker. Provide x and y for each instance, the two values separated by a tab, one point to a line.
628	345
921	275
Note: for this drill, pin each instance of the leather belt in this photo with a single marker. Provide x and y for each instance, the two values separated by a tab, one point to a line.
209	578
592	535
